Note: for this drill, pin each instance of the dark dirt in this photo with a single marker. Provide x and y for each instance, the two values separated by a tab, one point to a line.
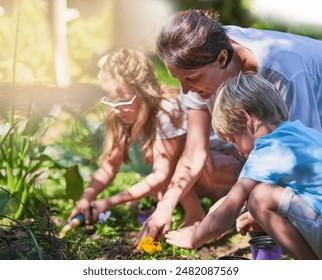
237	246
19	244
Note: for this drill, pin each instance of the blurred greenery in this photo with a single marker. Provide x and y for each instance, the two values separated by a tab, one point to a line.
235	12
35	60
90	36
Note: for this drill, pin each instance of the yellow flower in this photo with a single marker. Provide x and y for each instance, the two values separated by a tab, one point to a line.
148	245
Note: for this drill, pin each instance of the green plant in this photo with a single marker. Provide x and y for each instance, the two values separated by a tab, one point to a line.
147	203
31	239
21	167
18	151
27	163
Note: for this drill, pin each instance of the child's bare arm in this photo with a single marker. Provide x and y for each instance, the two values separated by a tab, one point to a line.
165	157
216	222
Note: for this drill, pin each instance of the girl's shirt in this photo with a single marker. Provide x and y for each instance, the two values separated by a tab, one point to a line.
168	129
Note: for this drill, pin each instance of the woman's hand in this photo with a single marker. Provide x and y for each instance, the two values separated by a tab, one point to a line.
156	225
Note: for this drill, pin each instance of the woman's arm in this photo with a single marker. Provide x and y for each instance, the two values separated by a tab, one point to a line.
186	174
193	158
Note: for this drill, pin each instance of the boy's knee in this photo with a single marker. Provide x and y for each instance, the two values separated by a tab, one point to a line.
258	197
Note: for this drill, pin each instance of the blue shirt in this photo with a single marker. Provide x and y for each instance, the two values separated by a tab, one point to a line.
291	62
290	156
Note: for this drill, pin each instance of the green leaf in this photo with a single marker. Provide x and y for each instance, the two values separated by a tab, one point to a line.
8	204
74	183
62	157
7	132
137	164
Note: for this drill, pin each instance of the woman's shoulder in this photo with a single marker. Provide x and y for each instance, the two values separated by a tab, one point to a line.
169	90
172	117
170	99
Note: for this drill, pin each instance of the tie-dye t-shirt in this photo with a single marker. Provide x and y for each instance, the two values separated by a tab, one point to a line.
290	156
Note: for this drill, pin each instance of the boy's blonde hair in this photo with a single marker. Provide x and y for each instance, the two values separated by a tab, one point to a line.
249	92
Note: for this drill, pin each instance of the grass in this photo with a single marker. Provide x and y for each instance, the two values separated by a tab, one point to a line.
38	238
115	238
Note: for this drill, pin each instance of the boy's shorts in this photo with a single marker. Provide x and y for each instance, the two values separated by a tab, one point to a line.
303	218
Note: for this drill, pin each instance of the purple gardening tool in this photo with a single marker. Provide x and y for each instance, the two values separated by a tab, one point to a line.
265	248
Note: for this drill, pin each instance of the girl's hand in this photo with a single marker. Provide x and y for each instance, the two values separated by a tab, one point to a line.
82	206
99	206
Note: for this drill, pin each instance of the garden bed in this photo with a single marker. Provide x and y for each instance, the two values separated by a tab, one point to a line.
86	244
37	238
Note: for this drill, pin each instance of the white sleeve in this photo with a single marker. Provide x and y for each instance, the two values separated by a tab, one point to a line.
168	129
192	100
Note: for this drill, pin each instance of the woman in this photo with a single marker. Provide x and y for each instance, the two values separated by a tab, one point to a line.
138	109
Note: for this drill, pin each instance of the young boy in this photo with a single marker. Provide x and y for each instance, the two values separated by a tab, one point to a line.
281	181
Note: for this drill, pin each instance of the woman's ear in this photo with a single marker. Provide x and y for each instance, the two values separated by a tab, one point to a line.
222	58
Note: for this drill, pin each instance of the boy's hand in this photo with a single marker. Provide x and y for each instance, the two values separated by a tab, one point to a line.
181	238
246	223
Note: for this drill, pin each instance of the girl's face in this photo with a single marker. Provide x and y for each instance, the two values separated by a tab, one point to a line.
122	102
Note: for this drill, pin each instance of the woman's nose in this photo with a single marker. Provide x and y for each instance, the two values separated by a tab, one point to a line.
185	88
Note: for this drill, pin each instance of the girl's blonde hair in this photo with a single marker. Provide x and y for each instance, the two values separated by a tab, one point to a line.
249	92
130	68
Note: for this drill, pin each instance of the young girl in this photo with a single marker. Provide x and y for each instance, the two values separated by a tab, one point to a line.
281	180
138	109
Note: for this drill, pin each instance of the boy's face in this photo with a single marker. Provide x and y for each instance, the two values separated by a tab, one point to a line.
244	141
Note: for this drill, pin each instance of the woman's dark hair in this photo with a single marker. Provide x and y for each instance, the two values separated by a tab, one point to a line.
192	39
